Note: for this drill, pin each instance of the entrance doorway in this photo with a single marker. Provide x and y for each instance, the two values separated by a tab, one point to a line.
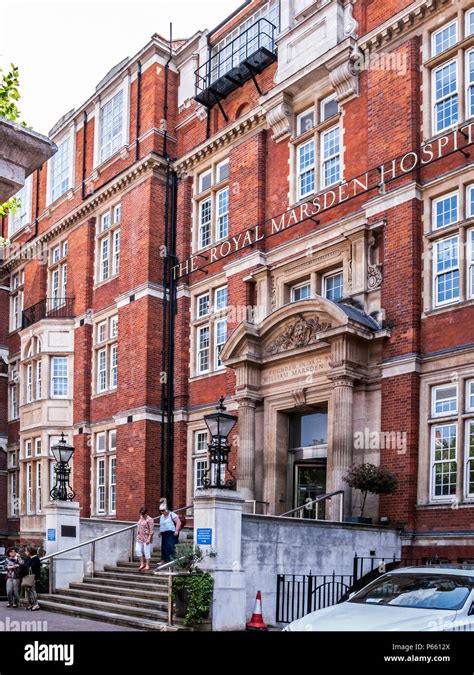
310	483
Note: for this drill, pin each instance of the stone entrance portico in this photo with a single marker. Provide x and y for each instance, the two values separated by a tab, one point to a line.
303	355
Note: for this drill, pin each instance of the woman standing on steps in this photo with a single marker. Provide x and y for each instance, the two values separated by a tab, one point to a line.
145	527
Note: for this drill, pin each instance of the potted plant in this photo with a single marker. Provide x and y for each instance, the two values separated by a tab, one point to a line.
369	478
192	590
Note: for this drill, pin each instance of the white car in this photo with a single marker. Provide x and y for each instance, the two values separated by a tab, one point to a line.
408	599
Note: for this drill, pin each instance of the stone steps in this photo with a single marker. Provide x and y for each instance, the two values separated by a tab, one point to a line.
152	601
125	588
108	605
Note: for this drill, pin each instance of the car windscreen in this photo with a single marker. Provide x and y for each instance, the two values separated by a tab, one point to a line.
418	590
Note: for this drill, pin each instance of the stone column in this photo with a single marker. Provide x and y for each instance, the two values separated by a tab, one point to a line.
62	532
246	448
218	522
342	440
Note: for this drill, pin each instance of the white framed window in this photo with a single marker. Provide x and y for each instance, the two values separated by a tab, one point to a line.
108	244
301	291
446	271
445	210
65	248
469	487
101	370
444	400
444	38
16	309
37	446
470	83
39	501
220	337
113	367
112	484
100	439
470	201
470	263
12	460
330	157
111	126
205	218
205	180
200	441
59	377
222	199
333	285
13	501
61	169
14	413
112	440
444	461
306	169
221	298
113	326
29	488
57	273
102	331
200	471
203	343
202	305
470	22
28	449
100	494
56	254
29	383
445	96
39	387
470	395
22	216
305	121
329	108
222	171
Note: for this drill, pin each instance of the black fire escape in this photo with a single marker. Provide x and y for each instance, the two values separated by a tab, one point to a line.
235	63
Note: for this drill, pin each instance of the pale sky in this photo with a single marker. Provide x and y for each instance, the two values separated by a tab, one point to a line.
63	48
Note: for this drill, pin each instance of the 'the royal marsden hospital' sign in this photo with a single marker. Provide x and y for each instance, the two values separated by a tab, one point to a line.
457	140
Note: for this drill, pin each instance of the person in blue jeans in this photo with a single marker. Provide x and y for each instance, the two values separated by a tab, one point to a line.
170	526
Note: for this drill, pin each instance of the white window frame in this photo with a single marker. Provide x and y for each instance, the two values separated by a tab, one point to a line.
199	349
217	306
200	314
101	332
434	497
330	158
29	384
38	447
222	216
323	103
16	314
69	170
467	21
468	495
100	462
434	391
29	488
439	200
440	30
39	504
101	370
469	393
299	118
112	485
28	448
468	84
201	177
113	327
327	276
14	408
205	225
219	166
470	263
54	377
300	172
123	138
436	102
218	365
201	435
21	218
113	367
13	494
102	435
115	251
297	287
436	274
39	381
200	461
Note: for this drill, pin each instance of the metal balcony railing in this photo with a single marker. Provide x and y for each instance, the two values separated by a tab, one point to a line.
48	308
236	62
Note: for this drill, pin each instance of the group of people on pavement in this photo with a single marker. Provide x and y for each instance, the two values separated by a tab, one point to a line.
170	525
22	572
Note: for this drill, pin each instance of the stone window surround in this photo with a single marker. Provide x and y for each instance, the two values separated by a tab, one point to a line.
100	101
97	346
17	291
443	377
211	192
460	183
209	319
430	64
33	360
107	456
68	135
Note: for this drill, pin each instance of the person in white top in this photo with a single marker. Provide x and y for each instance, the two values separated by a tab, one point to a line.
170	526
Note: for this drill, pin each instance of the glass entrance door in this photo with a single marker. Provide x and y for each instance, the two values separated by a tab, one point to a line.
310	483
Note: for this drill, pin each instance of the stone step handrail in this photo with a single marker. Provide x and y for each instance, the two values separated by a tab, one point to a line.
322	498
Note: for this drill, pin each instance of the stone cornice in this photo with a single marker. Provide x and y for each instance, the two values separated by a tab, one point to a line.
150	163
219	141
399	24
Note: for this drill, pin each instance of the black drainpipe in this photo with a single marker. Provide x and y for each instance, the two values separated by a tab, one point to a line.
139	89
84	149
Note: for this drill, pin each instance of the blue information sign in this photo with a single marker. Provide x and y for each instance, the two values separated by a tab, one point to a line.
204	536
52	535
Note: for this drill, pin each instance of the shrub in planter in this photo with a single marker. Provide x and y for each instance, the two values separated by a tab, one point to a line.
370	478
192	592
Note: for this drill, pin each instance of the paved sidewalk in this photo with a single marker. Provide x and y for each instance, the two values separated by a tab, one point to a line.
10	620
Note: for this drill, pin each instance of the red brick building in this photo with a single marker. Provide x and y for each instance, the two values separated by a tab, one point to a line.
281	211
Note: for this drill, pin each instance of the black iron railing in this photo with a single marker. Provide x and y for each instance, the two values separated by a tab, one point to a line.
48	308
236	62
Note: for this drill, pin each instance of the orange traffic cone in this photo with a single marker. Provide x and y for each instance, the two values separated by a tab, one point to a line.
256	622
